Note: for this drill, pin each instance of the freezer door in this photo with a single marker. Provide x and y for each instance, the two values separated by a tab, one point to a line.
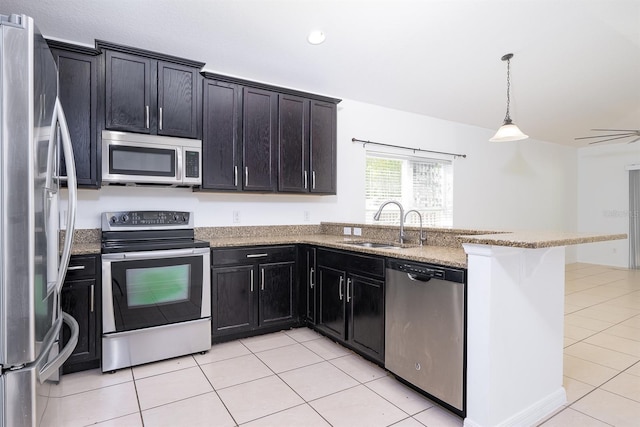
28	90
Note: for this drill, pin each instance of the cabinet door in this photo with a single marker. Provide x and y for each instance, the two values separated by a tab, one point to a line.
293	144
129	92
331	286
308	284
78	92
366	315
323	147
177	100
232	293
222	126
259	123
276	292
78	300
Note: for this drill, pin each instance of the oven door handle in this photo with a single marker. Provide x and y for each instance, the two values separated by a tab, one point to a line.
156	254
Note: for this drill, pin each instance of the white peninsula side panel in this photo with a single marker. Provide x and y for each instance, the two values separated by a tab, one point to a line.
515	323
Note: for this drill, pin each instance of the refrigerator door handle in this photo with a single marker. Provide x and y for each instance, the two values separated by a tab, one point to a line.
52	366
72	186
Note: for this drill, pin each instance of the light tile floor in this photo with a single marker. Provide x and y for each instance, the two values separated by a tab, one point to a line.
299	378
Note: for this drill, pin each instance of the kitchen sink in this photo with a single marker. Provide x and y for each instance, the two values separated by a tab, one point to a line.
374	245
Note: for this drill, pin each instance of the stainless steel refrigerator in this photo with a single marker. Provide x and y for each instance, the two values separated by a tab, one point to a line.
33	135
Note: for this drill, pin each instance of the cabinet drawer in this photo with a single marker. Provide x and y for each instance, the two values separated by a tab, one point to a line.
252	255
361	264
81	267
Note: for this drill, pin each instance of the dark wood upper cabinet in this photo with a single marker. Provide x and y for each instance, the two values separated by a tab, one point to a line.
323	147
293	144
177	100
221	135
78	89
259	139
147	92
129	92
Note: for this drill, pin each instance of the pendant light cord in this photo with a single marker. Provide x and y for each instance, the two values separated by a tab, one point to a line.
507	118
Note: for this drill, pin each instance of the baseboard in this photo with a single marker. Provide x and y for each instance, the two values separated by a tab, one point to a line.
530	416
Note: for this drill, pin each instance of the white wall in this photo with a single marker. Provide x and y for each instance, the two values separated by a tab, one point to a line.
603	200
518	185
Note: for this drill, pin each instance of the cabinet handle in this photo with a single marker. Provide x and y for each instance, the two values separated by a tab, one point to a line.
340	287
313	180
146	116
256	255
235	176
262	279
311	284
75	267
246	175
348	287
160	119
305	180
251	280
92	297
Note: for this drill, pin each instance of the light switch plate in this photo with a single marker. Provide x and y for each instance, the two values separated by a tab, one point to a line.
357	231
346	231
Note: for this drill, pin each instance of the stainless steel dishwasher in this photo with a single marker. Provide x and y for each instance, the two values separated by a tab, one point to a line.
425	329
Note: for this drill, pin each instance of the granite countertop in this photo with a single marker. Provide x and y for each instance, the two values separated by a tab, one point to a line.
91	248
538	239
445	248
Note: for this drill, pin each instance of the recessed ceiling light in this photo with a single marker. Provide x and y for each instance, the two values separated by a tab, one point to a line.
316	37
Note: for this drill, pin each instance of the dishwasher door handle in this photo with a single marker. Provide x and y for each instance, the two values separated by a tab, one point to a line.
418	277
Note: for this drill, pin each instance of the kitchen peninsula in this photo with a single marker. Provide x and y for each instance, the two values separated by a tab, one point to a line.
515	303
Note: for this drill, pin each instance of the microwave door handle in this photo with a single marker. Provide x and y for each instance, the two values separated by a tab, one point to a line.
179	164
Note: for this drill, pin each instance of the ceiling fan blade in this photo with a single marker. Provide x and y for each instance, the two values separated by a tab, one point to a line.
610	139
616	130
604	136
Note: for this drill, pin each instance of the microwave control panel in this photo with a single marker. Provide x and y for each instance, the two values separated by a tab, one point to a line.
192	164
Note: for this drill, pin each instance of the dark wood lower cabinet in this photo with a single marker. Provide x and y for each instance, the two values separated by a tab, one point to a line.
366	315
333	306
232	299
253	289
80	298
275	301
308	279
351	300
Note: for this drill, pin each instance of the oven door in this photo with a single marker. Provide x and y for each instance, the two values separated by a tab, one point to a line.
147	289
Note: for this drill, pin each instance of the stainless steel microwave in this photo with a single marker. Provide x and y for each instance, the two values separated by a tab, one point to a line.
130	158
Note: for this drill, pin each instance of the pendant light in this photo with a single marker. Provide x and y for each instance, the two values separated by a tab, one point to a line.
508	131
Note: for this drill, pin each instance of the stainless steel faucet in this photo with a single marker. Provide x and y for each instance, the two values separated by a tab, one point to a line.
423	236
376	217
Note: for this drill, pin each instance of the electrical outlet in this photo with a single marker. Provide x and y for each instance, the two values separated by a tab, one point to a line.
346	231
307	216
357	231
236	217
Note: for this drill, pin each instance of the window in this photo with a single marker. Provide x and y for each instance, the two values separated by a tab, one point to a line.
418	183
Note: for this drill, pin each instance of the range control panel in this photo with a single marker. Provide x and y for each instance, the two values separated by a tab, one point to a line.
146	219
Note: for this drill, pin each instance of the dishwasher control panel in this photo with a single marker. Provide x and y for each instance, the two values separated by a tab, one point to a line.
421	270
428	270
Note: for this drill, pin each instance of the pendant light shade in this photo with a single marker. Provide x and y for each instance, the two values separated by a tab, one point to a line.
508	131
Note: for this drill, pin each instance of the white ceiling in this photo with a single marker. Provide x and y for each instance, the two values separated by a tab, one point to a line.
576	63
